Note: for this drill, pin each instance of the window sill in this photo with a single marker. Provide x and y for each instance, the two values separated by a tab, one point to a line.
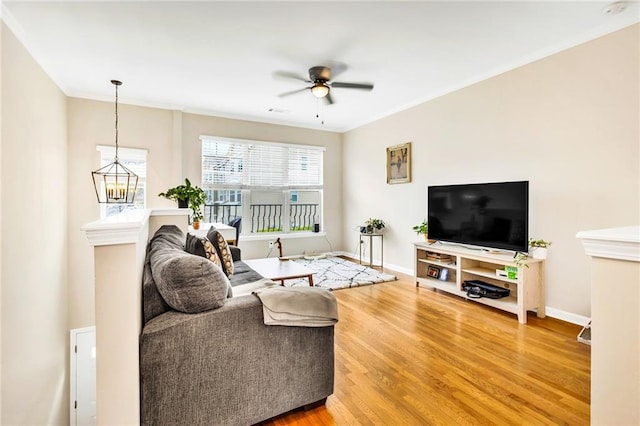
273	236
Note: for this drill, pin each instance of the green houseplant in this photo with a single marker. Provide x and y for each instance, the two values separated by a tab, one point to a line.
539	243
180	193
520	260
188	195
538	248
196	201
374	224
422	228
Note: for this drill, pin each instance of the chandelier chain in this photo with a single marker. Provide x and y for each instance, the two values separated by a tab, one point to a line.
116	122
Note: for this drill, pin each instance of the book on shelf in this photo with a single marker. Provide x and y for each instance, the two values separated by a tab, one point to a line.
439	257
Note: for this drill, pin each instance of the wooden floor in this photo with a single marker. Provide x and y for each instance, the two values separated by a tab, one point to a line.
415	356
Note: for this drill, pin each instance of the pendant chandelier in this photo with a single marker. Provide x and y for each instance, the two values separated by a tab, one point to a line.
114	183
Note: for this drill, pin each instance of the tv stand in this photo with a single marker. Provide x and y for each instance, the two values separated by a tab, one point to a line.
527	290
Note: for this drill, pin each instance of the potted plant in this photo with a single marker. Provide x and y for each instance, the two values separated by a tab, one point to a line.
190	196
196	201
538	248
374	225
422	228
180	194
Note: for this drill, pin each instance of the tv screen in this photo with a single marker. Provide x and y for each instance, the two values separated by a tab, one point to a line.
492	215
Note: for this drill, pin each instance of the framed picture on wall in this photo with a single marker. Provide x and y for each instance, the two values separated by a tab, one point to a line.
399	163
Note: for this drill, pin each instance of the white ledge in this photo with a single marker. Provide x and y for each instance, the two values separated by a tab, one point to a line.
123	228
170	212
290	236
612	243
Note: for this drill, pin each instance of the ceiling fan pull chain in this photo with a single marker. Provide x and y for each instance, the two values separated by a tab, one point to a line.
319	110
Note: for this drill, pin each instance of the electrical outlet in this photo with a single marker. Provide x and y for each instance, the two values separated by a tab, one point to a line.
270	244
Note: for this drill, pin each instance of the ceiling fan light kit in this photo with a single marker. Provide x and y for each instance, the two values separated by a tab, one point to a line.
320	77
320	90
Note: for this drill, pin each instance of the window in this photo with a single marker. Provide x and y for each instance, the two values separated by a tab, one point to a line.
136	161
275	187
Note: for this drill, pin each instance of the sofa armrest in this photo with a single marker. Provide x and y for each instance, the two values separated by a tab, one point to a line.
227	365
236	253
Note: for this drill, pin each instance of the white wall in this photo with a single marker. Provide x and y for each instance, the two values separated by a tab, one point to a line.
568	123
35	387
1	31
92	123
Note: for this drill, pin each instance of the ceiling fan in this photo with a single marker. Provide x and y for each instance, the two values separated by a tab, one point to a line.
321	84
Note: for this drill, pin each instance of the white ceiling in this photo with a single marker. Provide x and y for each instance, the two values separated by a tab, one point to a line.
218	58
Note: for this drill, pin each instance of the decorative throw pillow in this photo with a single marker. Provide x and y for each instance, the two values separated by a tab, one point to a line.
188	283
201	246
222	247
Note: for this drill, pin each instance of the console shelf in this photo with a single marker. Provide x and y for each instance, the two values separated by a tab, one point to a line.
489	273
527	291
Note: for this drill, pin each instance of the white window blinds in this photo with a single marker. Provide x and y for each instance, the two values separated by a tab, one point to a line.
236	164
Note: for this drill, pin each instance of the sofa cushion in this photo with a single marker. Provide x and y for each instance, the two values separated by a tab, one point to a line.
170	235
222	247
201	246
243	274
154	304
187	283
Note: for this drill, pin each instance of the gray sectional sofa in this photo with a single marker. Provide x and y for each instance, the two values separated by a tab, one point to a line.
220	366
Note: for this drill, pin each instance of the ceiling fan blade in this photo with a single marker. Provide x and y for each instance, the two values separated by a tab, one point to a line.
290	75
329	99
337	68
364	86
293	92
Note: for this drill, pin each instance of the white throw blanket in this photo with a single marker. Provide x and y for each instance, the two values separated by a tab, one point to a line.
298	306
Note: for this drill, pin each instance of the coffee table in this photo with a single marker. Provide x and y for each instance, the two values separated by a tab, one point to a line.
280	270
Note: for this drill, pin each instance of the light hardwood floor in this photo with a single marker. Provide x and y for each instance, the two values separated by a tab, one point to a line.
414	356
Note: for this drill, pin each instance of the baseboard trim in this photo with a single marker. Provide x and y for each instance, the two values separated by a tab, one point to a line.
550	312
386	265
567	316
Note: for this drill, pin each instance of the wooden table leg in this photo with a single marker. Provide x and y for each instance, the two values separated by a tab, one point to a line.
310	277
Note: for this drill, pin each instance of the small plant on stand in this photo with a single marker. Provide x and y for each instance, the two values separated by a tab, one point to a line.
538	248
196	201
422	228
374	225
196	218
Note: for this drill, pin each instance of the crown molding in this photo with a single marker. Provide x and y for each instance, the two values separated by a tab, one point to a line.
612	243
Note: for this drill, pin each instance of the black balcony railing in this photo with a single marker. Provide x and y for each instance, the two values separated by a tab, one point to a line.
222	213
268	217
303	216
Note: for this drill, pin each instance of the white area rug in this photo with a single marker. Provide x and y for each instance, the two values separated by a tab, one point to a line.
335	272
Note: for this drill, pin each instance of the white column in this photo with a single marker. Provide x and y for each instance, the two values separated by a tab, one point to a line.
119	250
615	324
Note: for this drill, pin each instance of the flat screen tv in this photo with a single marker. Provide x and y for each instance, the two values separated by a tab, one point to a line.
491	215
